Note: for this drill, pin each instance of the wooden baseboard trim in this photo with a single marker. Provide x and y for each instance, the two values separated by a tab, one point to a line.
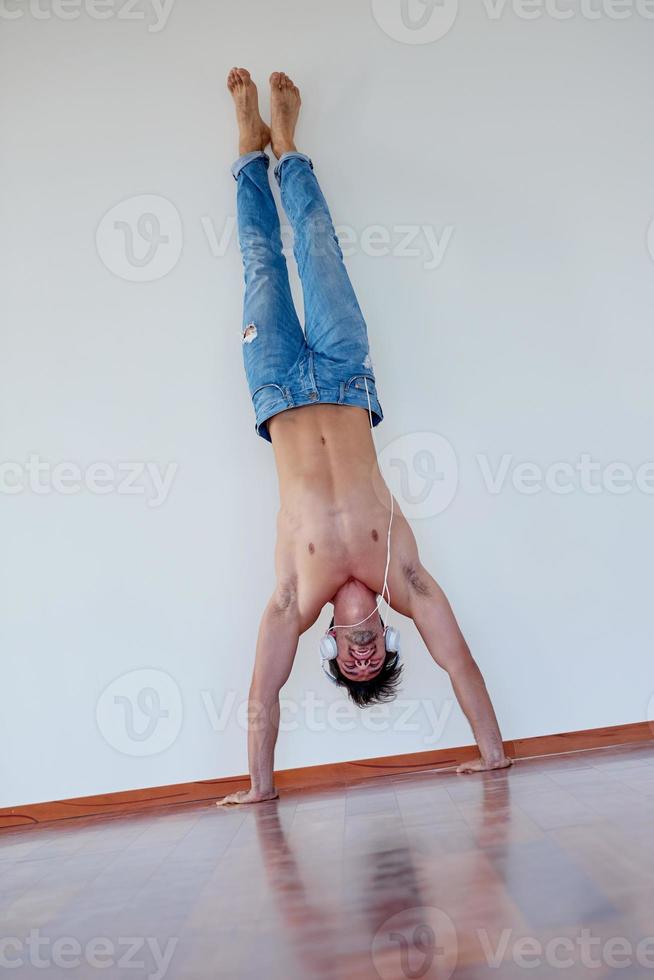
311	777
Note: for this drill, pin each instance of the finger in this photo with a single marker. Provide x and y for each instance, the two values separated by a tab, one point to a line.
469	767
227	800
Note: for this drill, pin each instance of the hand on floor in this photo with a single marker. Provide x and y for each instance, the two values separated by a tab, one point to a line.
479	765
246	796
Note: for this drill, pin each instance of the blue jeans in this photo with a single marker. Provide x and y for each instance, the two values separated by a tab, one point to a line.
329	362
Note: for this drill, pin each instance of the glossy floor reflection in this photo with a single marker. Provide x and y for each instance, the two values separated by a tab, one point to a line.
546	870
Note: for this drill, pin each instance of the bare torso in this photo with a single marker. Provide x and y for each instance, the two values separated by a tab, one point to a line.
334	509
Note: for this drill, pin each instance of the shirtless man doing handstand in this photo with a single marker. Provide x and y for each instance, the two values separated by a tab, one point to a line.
341	538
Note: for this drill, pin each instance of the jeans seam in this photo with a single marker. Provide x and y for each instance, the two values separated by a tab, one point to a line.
290	156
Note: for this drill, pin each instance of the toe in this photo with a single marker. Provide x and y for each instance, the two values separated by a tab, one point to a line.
274	78
244	75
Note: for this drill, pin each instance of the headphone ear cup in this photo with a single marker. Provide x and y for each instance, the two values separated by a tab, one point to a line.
328	649
392	640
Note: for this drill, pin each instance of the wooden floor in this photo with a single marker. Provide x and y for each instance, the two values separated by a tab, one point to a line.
546	870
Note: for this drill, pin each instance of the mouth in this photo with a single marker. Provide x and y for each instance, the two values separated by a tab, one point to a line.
369	674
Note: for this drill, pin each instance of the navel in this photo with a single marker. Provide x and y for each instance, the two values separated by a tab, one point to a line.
323	440
374	535
312	548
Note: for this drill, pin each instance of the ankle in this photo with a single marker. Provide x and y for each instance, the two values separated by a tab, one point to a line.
250	140
248	146
280	147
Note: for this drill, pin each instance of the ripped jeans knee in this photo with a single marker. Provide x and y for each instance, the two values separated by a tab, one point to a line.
249	333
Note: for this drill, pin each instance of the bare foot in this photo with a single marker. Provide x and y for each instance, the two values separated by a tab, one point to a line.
253	134
285	104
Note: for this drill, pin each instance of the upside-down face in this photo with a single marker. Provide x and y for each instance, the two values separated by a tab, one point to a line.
361	647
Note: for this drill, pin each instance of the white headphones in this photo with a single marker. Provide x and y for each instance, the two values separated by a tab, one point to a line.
329	650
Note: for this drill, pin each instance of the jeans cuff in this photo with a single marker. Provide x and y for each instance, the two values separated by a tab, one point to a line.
243	161
289	156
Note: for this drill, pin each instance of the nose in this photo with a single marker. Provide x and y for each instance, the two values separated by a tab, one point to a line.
363	660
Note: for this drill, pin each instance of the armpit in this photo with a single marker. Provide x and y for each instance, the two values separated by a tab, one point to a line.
417	581
285	596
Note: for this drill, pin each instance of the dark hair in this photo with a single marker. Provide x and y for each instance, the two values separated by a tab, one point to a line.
380	689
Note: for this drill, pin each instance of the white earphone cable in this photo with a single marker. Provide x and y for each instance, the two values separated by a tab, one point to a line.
385	589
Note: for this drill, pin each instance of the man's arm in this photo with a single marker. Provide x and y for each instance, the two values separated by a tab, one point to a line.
277	642
437	625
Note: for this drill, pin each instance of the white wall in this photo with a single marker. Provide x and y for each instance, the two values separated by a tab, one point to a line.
532	140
